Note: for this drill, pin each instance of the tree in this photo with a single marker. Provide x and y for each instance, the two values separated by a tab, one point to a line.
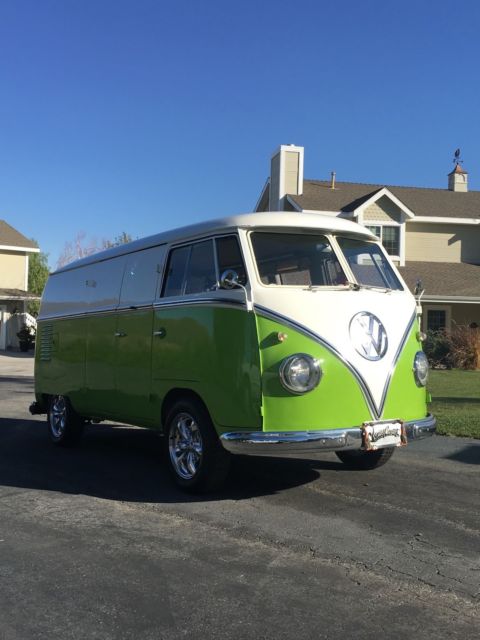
81	247
76	249
123	238
37	277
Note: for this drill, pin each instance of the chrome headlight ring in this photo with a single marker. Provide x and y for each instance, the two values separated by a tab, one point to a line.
300	373
420	369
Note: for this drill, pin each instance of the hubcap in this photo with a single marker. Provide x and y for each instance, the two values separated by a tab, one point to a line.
58	416
185	446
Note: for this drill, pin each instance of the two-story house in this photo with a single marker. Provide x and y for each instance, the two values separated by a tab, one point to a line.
431	234
15	250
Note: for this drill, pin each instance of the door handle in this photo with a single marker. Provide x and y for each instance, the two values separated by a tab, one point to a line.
120	334
161	333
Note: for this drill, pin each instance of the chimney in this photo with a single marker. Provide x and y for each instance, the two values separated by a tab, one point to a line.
286	175
458	179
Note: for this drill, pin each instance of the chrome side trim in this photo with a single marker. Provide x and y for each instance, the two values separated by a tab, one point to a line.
395	361
285	443
314	336
80	314
219	302
135	307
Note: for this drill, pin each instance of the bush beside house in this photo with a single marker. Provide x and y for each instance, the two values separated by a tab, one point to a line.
456	349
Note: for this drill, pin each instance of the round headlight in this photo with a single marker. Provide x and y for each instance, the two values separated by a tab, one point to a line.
300	373
420	368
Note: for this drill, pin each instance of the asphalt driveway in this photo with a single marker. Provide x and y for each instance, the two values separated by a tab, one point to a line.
96	542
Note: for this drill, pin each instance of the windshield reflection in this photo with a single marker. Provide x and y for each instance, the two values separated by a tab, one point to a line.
309	260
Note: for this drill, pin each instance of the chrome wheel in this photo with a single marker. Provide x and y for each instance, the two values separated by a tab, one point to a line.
185	446
58	416
196	458
65	426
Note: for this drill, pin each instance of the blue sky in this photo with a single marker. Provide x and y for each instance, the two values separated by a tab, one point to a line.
141	115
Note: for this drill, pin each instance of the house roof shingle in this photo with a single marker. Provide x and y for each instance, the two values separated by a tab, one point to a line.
444	279
347	196
10	237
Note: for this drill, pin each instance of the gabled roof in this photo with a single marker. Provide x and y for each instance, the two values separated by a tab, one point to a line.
10	237
348	196
444	280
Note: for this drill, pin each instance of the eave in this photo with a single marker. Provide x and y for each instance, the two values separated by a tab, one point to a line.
6	247
450	299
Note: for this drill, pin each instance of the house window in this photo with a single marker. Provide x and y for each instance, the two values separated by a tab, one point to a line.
436	320
389	237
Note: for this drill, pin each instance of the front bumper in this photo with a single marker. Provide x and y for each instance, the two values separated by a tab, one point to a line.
283	443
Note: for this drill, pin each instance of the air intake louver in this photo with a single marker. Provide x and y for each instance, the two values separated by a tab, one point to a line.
46	342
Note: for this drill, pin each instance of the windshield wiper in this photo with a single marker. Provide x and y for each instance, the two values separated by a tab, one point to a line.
355	286
326	287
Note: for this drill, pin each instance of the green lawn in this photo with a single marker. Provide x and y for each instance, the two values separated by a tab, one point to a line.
456	402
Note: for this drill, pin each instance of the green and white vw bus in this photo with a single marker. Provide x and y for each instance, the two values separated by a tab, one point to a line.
268	334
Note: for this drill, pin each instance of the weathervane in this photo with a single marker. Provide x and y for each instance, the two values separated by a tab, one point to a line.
456	159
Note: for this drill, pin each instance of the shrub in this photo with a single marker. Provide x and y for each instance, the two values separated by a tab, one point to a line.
26	337
464	347
459	348
437	349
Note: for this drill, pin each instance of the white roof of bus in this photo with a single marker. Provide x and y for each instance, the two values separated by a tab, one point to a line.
244	221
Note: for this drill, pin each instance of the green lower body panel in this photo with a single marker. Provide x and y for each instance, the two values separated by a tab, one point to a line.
339	401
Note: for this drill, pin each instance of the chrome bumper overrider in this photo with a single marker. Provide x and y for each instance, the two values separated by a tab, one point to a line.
278	443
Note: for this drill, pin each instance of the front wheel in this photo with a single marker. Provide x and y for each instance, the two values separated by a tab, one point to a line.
65	426
366	459
198	461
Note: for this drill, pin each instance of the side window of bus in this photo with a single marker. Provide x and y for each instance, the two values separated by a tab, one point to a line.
230	257
141	276
191	269
201	275
175	273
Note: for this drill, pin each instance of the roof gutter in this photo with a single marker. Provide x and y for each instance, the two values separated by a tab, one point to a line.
7	247
28	297
440	220
451	299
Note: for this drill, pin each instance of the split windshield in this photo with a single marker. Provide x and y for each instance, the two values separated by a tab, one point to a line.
305	259
368	263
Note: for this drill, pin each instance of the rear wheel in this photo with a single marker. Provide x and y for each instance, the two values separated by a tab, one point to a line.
65	426
366	459
198	461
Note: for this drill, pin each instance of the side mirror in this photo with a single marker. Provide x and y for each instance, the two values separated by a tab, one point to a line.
229	280
418	290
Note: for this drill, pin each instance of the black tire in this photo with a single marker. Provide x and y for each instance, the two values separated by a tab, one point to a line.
366	459
196	458
65	426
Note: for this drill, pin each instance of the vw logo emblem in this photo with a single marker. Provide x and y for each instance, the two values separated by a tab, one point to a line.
368	336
